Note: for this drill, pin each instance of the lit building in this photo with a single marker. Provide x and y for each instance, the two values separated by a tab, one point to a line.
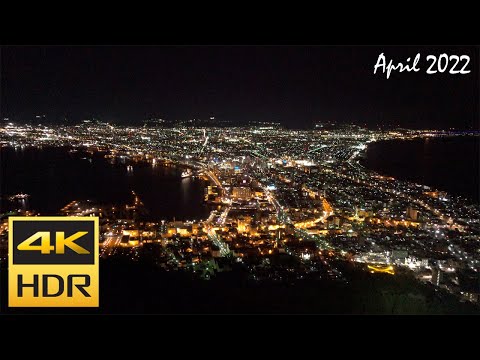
244	224
163	227
242	192
213	190
399	256
472	296
412	213
212	193
437	276
333	222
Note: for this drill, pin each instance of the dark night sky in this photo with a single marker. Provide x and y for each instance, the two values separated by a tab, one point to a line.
296	85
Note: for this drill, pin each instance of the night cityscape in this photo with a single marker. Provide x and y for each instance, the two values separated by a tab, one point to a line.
213	214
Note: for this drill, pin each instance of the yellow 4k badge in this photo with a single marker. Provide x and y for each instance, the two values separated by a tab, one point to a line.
53	261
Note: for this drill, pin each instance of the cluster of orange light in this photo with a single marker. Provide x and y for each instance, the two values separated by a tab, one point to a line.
326	206
433	194
387	222
378	269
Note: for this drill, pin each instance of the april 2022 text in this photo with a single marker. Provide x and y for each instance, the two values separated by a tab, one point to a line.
444	63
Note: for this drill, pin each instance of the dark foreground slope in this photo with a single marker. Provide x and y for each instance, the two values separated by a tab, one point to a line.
129	288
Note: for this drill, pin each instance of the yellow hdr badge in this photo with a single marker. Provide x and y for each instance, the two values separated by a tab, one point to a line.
53	261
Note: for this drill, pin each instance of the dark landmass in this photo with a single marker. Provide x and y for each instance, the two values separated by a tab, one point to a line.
133	288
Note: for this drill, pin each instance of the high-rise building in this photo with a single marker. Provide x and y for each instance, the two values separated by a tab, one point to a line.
163	227
437	276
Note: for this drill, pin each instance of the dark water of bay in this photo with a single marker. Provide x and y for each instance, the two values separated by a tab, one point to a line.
449	164
53	177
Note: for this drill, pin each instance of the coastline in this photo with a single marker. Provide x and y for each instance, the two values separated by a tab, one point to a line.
361	160
111	165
